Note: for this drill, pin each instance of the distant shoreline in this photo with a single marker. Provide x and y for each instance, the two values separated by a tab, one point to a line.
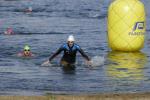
123	96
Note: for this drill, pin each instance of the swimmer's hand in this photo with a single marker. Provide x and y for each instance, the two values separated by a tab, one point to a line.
89	63
19	55
46	63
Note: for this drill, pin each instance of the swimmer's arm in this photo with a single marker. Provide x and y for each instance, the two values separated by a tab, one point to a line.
83	54
89	62
19	54
55	54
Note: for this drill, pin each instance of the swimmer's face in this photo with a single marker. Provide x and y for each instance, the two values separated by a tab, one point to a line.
26	52
70	43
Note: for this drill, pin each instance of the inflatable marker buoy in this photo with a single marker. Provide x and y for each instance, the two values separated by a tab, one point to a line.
126	25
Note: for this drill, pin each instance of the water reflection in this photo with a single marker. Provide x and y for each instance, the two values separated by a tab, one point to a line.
128	66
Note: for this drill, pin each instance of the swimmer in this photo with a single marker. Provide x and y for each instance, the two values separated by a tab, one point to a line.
69	57
9	31
26	52
28	10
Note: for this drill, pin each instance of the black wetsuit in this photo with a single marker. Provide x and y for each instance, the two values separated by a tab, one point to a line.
69	53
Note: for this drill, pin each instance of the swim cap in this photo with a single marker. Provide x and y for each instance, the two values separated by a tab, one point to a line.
26	47
70	38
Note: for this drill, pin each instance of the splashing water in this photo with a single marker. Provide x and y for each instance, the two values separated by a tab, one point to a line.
97	61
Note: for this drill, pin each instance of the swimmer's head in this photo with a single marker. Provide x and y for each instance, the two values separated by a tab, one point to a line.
26	50
30	8
71	40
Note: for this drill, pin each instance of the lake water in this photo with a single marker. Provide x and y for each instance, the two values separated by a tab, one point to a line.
45	29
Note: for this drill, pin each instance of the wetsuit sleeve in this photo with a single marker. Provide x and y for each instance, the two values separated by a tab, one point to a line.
83	54
56	53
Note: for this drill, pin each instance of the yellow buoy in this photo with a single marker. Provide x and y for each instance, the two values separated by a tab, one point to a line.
126	25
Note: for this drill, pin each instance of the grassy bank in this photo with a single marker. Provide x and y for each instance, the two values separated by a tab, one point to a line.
134	96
